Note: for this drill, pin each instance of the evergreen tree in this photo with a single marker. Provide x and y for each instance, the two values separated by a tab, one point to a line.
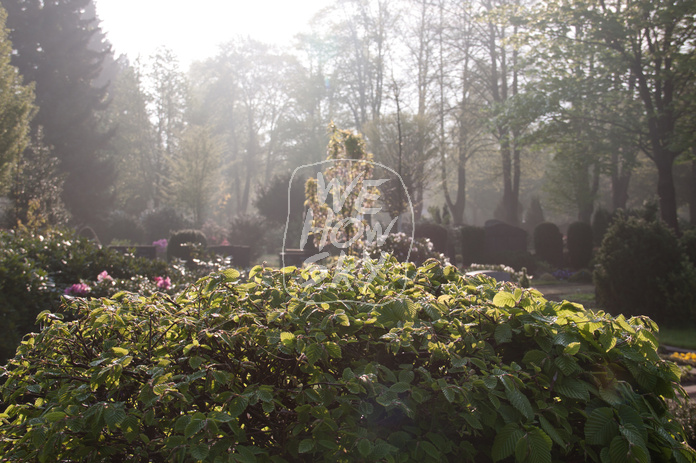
37	187
55	47
16	110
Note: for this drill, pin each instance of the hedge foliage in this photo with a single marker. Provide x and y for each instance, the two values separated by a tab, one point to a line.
35	270
420	364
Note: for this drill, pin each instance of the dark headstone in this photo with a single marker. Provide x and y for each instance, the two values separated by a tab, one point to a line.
437	234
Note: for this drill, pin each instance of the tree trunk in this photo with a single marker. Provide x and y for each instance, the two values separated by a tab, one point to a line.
692	193
665	190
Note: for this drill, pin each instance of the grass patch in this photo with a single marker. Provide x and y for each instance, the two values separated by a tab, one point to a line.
684	338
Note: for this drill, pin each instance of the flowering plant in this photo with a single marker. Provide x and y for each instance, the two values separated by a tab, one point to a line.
78	289
104	276
161	245
163	282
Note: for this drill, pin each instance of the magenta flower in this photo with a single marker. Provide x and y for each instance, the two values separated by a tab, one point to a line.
161	245
78	289
104	276
163	283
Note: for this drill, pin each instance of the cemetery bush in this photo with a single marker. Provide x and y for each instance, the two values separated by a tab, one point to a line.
548	244
182	242
162	222
641	269
35	270
688	241
580	243
420	364
601	220
123	227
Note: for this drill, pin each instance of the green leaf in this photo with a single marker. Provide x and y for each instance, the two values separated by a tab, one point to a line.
199	451
306	445
52	417
551	432
431	450
365	447
287	338
333	349
572	348
518	399
568	365
619	450
231	274
193	427
539	446
574	389
113	416
220	417
313	353
119	351
505	441
504	299
503	333
601	426
400	387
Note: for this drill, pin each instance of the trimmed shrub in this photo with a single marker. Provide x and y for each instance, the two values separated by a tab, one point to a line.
473	245
181	242
688	242
161	223
580	244
421	364
123	227
600	224
641	270
548	244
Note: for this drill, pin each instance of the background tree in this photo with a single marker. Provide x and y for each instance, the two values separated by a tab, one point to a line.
654	41
133	147
16	110
54	47
169	92
244	97
195	171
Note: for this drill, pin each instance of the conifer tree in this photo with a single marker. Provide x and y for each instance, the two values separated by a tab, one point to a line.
16	110
55	47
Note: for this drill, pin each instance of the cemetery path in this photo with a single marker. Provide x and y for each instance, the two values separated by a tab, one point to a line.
569	291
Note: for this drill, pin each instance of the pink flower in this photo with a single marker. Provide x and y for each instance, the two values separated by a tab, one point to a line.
78	289
225	242
104	276
161	245
163	283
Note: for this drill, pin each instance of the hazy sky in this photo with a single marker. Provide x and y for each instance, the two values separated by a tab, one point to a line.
193	29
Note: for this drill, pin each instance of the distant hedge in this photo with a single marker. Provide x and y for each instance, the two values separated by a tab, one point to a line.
396	363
